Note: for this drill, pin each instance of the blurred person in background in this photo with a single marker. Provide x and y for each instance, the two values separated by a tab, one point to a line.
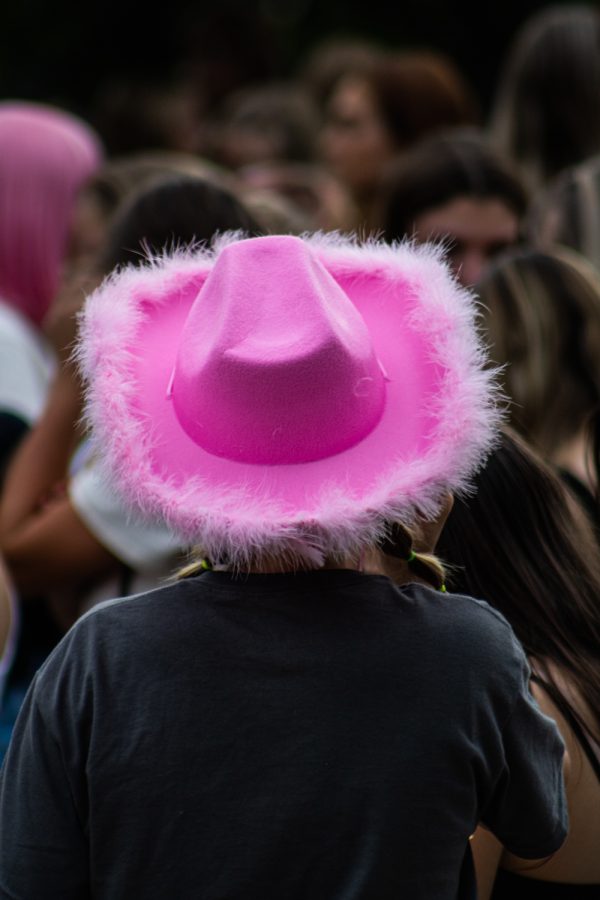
383	110
46	156
95	207
67	539
332	59
567	212
276	122
47	538
453	188
322	201
546	115
541	316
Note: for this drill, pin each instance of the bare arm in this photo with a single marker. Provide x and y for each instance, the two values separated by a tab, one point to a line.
487	852
54	549
41	462
44	543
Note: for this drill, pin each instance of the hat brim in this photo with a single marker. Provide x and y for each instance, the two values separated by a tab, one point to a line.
440	417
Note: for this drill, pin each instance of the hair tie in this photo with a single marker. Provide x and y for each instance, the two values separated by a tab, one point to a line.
411	557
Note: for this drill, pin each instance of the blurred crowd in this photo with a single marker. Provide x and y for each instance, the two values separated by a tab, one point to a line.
365	141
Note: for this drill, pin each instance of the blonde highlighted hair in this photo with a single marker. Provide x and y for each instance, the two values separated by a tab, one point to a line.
400	547
542	318
567	212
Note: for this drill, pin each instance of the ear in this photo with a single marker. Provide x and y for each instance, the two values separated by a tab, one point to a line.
429	530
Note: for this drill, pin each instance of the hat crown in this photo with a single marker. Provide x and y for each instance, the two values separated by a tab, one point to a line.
275	363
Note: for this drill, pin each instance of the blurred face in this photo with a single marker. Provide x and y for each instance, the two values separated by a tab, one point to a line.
476	229
355	144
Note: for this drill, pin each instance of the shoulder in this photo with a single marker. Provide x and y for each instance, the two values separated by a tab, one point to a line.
111	644
119	623
135	609
471	636
467	616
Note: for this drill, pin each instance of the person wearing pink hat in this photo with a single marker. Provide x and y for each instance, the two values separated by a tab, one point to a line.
286	722
46	156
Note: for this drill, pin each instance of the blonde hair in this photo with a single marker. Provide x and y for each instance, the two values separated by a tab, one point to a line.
400	548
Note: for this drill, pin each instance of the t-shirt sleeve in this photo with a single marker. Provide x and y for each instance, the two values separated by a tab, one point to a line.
141	545
527	811
43	852
24	375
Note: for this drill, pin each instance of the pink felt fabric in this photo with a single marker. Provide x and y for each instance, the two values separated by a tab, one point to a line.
256	377
155	343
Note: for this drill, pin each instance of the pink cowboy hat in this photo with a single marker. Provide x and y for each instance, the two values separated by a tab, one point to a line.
287	395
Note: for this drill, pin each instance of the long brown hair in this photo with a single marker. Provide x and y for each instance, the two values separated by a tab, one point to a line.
547	111
519	544
419	93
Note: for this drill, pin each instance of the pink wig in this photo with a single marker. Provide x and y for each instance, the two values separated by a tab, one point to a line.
45	157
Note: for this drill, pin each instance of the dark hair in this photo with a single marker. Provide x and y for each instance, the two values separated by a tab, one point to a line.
123	176
176	211
457	163
518	544
419	93
547	115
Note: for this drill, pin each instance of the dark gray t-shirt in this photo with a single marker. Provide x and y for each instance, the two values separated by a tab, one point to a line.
324	735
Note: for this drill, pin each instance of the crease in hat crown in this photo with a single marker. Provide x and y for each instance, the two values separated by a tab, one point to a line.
438	420
254	380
